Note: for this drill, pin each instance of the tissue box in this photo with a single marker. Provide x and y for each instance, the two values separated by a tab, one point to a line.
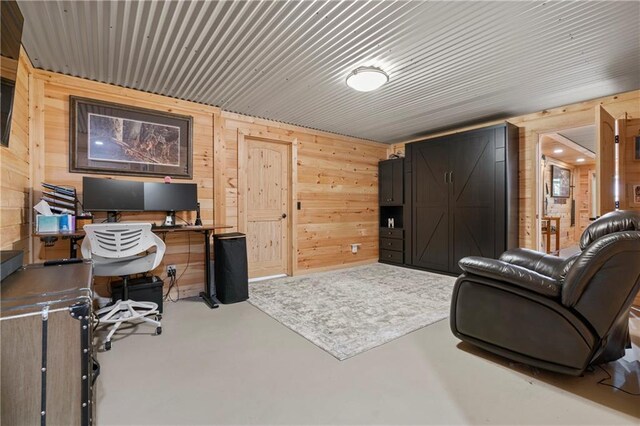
67	223
47	223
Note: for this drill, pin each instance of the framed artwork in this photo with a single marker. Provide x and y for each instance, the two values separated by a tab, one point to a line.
637	149
560	182
108	138
635	194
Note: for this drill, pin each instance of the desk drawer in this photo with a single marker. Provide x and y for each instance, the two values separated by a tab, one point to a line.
391	233
391	244
392	256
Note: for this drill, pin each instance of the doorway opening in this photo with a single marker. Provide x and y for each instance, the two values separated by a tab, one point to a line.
567	187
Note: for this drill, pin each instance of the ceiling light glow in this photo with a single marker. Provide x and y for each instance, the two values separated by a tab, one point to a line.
580	160
366	79
558	151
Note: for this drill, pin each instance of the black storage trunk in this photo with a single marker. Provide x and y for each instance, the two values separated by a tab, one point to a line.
231	273
47	356
145	289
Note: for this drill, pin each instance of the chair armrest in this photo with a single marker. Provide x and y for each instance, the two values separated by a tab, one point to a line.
544	264
512	274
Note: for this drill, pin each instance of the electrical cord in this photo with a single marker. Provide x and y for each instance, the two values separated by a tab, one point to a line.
188	261
172	283
601	382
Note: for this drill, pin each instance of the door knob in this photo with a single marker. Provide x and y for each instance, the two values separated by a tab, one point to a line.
284	215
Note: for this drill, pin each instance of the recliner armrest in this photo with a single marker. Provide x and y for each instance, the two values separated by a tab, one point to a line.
513	274
544	264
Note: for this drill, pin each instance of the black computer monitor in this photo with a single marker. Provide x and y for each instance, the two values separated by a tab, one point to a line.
170	197
110	195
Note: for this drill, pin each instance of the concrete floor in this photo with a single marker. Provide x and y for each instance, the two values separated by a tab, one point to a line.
236	365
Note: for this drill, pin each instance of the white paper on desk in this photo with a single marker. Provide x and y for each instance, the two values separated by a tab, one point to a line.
43	208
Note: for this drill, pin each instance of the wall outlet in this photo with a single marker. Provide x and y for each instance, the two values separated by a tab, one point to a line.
171	270
354	248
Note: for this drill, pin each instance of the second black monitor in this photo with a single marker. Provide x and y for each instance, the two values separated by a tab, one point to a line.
170	197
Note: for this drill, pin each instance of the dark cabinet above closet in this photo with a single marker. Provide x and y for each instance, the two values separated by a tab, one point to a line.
390	182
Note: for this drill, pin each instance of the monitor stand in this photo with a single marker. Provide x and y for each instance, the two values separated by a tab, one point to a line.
170	220
112	217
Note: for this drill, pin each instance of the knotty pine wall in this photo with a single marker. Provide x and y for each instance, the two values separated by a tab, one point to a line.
15	182
51	163
630	167
531	126
337	177
337	187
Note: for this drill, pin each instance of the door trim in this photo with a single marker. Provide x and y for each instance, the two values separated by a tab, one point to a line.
292	143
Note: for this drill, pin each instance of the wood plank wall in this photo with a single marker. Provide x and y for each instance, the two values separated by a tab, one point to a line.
630	169
186	251
531	126
337	176
15	182
337	188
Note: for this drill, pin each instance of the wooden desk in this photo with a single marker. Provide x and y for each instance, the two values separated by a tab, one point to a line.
204	229
549	232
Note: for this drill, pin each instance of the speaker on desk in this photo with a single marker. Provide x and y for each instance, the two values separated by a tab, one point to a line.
231	276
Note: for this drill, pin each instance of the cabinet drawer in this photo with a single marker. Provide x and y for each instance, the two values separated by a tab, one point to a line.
391	244
391	233
391	256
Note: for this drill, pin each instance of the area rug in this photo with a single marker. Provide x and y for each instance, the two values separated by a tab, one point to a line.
352	310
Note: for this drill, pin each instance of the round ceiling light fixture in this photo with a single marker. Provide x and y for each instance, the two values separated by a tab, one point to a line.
366	79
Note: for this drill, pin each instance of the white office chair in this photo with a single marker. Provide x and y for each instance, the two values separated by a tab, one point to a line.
122	249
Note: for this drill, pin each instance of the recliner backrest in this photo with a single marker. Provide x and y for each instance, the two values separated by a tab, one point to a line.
616	221
603	280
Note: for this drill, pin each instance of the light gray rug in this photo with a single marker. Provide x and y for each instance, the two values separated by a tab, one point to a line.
349	311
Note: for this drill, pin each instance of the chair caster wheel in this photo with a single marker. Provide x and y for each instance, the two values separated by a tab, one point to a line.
107	346
158	330
158	317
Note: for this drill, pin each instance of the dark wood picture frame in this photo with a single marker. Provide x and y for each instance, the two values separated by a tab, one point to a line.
636	150
560	182
110	138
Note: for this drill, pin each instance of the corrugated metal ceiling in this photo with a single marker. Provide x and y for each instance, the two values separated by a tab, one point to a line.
449	62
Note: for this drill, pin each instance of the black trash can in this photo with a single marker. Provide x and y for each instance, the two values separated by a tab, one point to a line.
231	275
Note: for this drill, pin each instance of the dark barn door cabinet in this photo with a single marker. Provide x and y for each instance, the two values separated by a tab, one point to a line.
460	198
464	197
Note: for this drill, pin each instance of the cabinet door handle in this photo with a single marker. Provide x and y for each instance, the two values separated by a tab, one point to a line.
445	177
450	177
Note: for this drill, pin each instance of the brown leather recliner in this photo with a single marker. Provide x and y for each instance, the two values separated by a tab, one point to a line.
558	314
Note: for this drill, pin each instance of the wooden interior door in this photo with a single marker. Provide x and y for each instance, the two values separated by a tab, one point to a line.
266	204
605	161
472	205
430	205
